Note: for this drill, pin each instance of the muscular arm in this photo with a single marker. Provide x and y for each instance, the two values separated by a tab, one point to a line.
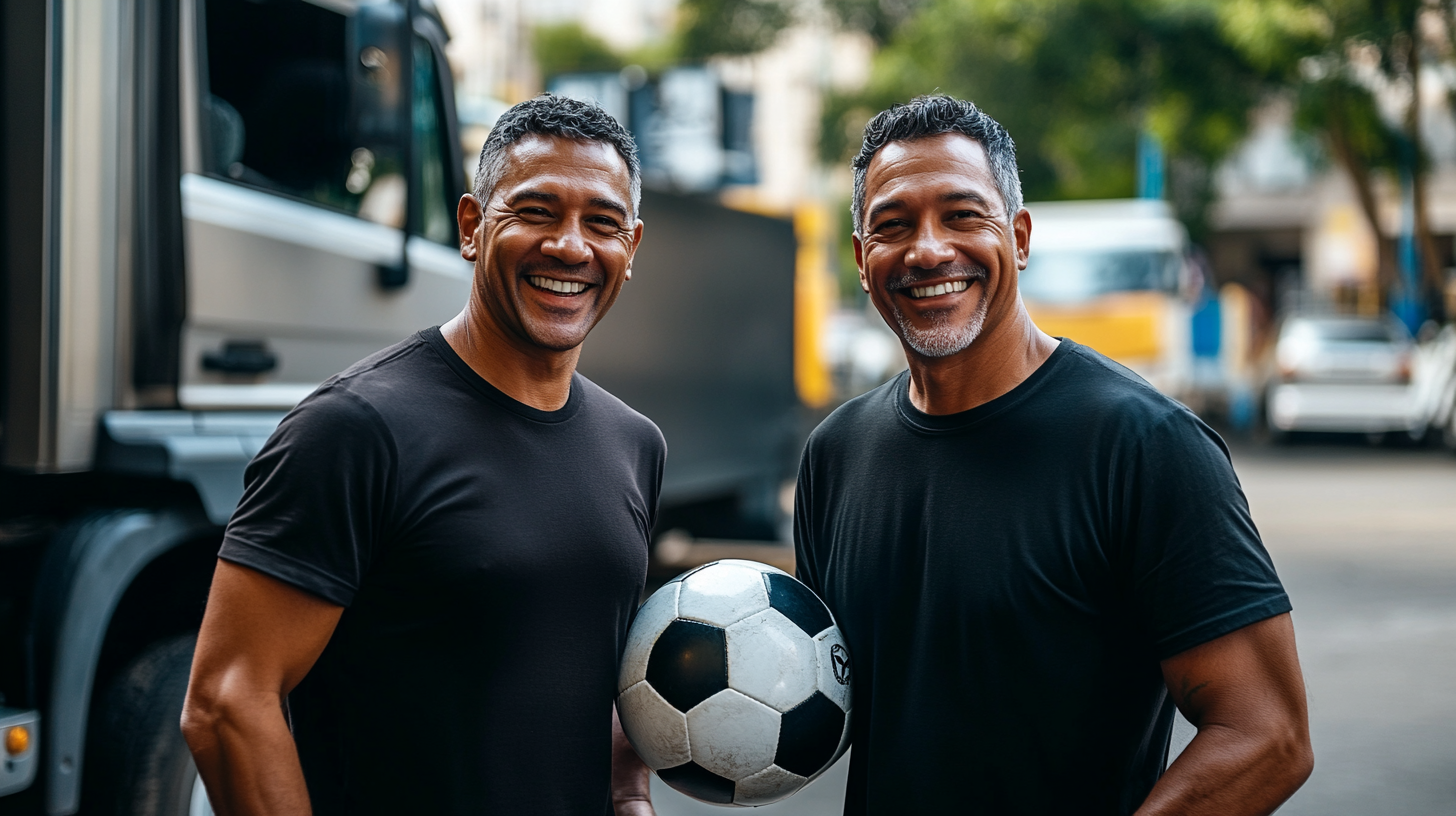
631	795
1245	694
259	638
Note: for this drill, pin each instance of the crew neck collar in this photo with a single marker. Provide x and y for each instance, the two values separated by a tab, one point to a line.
922	422
437	341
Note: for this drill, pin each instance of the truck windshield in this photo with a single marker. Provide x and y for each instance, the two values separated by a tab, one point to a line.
1070	276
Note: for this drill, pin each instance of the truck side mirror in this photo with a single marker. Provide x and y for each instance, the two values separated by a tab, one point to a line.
378	48
380	42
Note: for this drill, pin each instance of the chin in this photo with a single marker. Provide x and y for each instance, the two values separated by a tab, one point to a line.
556	339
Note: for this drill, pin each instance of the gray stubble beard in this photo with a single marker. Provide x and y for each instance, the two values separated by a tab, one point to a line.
943	338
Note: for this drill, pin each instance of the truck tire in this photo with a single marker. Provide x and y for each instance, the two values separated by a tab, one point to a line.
138	764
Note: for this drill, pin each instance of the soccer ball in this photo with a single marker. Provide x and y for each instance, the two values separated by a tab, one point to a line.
735	684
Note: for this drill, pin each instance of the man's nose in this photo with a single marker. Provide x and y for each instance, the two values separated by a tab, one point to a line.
567	245
929	248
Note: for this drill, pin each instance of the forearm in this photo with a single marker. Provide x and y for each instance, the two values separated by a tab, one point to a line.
1223	772
247	757
631	793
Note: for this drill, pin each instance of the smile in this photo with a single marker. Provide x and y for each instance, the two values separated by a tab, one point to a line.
939	289
558	286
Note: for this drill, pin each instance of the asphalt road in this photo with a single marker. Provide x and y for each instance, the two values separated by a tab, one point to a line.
1365	540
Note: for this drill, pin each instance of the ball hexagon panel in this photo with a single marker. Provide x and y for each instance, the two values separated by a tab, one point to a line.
699	783
809	736
722	593
651	620
656	730
689	663
835	670
771	660
733	735
769	785
797	603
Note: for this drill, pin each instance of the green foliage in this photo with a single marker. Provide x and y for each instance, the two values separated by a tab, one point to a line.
878	18
1074	81
709	28
568	48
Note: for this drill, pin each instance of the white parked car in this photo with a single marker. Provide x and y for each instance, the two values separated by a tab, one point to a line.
1344	374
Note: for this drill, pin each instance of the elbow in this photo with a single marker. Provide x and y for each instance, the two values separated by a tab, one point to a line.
1291	753
202	714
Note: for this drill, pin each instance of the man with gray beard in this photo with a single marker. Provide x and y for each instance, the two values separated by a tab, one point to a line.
1033	555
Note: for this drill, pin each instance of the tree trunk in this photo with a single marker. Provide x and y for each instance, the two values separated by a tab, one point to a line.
1359	174
1430	271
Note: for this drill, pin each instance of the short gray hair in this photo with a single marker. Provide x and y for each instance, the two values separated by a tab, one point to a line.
552	115
931	116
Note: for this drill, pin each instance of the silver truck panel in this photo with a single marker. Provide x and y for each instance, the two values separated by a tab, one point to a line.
303	280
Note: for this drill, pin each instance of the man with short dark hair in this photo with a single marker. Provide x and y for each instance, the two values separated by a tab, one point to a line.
430	574
1033	555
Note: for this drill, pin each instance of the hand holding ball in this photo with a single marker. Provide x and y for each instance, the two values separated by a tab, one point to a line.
734	686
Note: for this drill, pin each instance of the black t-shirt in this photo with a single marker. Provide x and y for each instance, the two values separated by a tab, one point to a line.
490	556
1008	579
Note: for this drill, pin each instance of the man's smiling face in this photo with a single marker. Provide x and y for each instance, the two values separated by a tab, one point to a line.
937	251
554	243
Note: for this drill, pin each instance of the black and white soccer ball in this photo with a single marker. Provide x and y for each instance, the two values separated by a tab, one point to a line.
735	685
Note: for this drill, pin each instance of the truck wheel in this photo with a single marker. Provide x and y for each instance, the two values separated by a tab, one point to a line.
139	764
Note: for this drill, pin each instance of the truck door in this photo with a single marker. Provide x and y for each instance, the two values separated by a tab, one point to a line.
295	223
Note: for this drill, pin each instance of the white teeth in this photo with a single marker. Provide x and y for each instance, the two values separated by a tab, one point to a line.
939	289
564	287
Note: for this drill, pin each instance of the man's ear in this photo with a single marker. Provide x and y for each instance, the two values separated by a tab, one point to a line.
1021	228
468	215
864	282
636	242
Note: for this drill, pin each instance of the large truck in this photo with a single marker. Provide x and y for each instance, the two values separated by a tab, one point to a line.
210	206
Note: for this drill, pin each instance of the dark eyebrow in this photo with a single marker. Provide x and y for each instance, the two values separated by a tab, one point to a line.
552	198
608	204
534	195
966	195
956	195
881	208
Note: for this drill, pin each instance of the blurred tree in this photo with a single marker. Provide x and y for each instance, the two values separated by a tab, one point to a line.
1074	81
1357	67
568	48
710	28
878	18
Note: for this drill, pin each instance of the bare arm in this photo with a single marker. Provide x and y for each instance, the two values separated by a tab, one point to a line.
259	638
1245	694
631	795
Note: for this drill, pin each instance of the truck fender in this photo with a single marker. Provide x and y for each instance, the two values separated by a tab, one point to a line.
85	574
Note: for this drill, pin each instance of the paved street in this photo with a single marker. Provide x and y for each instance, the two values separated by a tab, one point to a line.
1365	539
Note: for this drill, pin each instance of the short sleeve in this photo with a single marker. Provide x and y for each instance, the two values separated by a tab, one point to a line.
315	498
805	567
1199	568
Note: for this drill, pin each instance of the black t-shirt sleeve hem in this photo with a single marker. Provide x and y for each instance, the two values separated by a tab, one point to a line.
287	569
1222	625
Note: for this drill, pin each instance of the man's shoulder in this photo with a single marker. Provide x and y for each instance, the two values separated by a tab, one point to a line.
406	360
858	415
362	395
1101	385
1116	404
607	408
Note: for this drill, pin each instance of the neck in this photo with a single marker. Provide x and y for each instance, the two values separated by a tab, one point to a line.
1000	359
538	377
